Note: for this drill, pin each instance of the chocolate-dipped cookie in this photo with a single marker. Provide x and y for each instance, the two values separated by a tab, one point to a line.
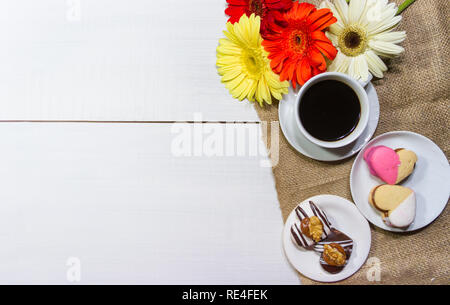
335	251
396	203
313	226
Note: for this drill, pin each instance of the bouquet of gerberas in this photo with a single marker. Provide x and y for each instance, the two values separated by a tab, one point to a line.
271	42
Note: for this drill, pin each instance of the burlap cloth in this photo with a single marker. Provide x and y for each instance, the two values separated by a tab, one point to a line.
414	95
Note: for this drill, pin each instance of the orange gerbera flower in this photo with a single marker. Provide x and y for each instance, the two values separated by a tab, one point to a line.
297	49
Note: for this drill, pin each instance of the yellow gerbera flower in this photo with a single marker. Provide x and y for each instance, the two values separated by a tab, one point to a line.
243	64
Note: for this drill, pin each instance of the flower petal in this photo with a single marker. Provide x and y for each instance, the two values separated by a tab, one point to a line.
300	10
326	48
355	10
340	64
385	48
336	27
353	69
362	67
321	19
376	65
333	38
384	25
392	37
305	71
342	8
317	59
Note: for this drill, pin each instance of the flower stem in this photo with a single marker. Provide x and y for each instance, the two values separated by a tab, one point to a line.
404	5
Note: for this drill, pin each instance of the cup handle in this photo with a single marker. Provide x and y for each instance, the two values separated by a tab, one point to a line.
365	83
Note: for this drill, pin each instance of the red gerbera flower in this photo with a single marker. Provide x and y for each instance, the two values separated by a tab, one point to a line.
270	11
297	50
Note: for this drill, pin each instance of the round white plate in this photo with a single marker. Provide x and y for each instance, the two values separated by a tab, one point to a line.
430	179
346	218
297	140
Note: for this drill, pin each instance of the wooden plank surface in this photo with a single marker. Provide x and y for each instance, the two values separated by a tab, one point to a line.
124	201
113	60
130	206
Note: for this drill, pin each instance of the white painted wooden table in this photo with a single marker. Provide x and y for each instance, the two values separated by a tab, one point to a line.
122	200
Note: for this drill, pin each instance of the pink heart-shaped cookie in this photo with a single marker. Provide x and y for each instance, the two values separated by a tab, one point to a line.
383	162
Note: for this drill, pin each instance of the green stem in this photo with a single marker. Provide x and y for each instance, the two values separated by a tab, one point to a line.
404	5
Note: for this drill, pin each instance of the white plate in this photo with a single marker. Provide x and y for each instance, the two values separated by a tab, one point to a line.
346	218
430	179
297	140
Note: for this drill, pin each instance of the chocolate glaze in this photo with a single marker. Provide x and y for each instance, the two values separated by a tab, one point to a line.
301	214
299	238
333	236
296	232
321	215
336	237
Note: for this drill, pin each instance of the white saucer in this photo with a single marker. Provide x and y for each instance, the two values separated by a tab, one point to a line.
297	140
430	179
345	217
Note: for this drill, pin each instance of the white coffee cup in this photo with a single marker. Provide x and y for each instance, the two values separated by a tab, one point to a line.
358	88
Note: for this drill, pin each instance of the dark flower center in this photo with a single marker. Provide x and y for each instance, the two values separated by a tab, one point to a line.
352	40
257	7
299	40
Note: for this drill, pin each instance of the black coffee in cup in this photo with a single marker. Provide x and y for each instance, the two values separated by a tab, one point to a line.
329	110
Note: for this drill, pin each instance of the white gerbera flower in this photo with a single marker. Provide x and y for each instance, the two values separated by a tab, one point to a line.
363	33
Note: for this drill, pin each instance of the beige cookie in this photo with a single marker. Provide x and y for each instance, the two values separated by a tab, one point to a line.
396	203
408	161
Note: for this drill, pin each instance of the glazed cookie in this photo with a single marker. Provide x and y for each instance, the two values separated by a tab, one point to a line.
313	226
391	166
335	251
396	203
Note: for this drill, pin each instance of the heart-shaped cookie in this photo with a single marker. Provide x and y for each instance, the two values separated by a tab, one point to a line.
396	203
391	166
